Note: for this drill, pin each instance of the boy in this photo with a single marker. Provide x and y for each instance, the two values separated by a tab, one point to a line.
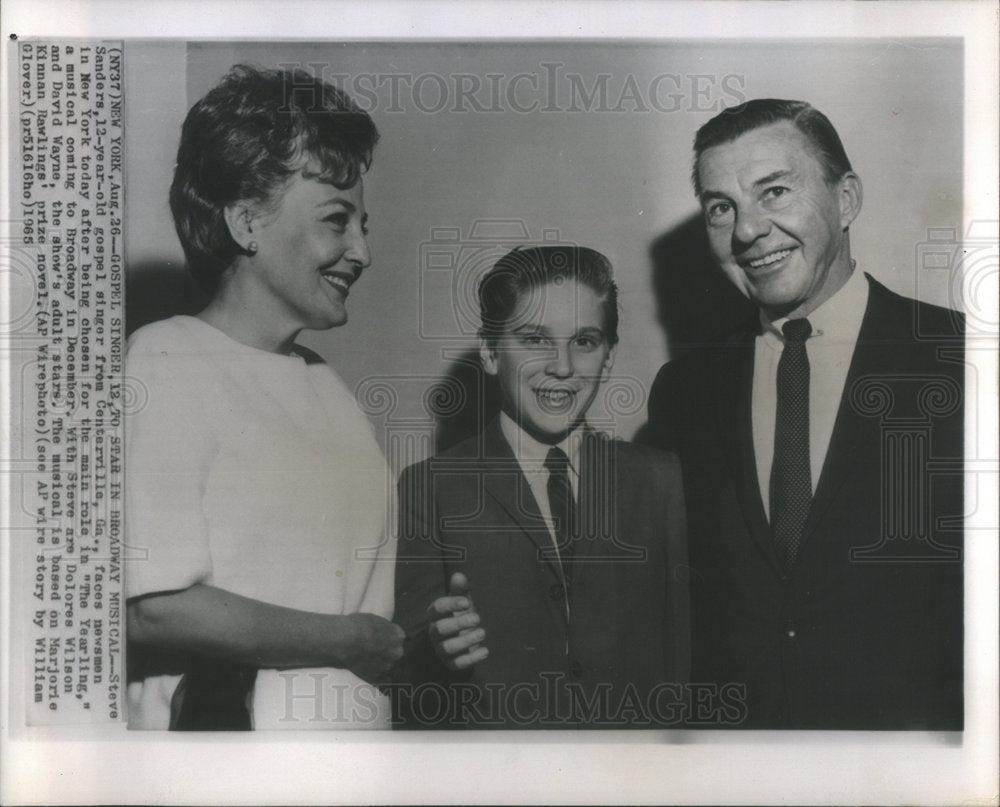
540	564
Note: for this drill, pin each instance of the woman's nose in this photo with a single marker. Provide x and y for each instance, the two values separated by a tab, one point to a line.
357	250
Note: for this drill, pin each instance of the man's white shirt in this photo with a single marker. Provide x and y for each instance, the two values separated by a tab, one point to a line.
830	348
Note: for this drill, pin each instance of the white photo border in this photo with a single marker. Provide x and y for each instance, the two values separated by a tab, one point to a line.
84	765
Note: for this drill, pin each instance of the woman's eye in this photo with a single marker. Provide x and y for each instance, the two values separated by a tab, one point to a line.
532	339
338	220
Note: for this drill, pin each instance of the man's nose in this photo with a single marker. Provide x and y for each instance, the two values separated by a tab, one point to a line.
751	224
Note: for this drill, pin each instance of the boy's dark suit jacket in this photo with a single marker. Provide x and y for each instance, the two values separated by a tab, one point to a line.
470	509
866	631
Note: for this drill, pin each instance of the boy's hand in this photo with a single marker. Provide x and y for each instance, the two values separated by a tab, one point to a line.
454	627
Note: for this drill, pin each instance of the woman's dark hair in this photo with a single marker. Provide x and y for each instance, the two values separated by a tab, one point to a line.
735	121
522	270
243	141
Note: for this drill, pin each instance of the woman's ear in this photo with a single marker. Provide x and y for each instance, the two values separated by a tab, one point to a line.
240	220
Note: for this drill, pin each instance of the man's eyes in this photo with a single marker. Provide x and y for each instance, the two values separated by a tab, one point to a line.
718	212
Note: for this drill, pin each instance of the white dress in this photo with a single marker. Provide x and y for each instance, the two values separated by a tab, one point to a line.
256	473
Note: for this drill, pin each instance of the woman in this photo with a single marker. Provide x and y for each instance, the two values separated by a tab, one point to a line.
260	581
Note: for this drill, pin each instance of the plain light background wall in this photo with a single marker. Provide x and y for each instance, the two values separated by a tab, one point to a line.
573	169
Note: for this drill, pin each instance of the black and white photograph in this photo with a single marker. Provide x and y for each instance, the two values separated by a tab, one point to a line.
575	402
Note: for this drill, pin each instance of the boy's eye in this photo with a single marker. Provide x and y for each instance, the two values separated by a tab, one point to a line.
532	339
587	343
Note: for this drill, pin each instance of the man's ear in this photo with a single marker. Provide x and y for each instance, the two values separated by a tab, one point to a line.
488	356
851	195
239	218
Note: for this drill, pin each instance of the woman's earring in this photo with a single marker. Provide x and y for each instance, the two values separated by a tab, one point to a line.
252	248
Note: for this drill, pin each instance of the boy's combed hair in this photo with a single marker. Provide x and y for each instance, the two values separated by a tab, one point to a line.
735	121
245	139
523	269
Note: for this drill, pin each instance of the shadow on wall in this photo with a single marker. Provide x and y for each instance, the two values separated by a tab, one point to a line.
463	401
695	302
696	305
155	291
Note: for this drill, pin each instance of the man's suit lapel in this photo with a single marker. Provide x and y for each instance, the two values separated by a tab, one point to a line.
507	486
732	377
848	435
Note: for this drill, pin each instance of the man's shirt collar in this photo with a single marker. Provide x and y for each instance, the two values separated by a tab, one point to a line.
838	318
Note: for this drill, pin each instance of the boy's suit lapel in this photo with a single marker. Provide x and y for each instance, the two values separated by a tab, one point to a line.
507	486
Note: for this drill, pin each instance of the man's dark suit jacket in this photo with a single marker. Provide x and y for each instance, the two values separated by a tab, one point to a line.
470	510
865	632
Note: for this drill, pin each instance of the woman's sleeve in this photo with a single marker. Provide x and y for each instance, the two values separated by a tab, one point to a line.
168	450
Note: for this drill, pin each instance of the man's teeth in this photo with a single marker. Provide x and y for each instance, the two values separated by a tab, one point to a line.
769	259
554	396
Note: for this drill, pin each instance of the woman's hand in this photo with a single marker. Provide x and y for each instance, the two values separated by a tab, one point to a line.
454	627
373	645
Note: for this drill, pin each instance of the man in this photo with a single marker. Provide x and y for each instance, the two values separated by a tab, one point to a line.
821	450
540	566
